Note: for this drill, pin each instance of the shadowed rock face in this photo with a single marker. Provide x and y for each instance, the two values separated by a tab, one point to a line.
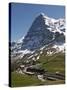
39	34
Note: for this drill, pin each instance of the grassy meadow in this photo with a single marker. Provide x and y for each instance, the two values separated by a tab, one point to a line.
56	64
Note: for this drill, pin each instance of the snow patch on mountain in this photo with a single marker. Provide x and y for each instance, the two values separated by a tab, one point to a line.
20	40
59	47
38	57
49	53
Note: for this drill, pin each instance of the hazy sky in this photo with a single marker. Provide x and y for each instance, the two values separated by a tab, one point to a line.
22	16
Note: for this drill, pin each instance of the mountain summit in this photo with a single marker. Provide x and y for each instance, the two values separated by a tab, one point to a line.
43	31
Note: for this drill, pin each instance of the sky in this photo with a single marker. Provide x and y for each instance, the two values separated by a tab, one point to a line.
22	16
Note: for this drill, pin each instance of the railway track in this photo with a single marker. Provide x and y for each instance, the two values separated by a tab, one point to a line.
54	76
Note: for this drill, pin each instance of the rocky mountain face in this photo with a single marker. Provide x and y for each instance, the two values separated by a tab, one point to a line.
45	33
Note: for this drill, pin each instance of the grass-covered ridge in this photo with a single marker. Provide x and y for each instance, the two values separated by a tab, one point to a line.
54	63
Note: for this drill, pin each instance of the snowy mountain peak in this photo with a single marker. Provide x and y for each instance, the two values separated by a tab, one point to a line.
42	14
43	31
